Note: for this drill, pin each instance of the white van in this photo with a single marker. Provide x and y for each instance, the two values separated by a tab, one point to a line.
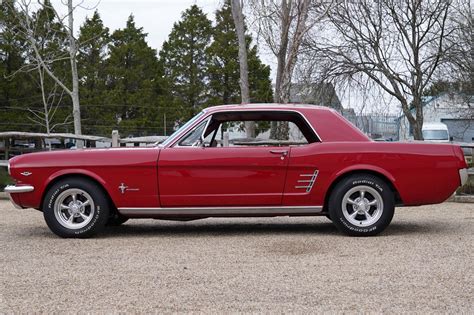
435	132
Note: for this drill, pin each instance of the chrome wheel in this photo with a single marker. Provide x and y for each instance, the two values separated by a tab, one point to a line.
362	206
74	208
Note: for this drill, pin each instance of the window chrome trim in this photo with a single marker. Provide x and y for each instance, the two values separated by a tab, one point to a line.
191	130
178	138
180	131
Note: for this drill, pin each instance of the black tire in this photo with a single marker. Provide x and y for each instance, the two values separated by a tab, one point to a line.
328	217
360	217
116	219
85	199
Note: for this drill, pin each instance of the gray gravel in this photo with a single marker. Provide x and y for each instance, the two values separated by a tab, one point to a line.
421	263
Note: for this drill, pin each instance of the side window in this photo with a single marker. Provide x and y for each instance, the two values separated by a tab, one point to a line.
193	138
256	133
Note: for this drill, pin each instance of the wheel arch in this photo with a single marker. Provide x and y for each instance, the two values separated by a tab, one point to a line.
76	173
383	175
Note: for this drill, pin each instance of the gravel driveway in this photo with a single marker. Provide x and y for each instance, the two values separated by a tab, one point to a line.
421	263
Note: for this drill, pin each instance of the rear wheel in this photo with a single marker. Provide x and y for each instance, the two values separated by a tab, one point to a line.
362	205
75	208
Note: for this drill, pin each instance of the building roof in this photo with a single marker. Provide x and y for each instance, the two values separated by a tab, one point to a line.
429	100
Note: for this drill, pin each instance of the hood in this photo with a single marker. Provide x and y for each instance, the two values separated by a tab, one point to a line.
85	158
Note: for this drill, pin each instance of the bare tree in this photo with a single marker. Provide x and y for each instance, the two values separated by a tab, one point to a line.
398	45
461	56
283	24
51	101
26	28
238	16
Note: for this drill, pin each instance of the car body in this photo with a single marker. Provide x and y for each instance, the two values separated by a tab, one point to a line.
188	178
435	132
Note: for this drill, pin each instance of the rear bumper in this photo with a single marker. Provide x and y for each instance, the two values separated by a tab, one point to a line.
463	175
10	189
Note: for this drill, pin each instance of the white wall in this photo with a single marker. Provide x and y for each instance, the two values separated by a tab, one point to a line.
446	106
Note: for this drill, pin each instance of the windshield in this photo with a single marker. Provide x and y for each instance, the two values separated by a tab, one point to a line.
177	132
435	135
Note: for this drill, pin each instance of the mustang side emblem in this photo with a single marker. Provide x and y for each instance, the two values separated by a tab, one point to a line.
124	188
26	173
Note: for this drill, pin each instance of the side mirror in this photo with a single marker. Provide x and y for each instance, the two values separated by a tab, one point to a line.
451	138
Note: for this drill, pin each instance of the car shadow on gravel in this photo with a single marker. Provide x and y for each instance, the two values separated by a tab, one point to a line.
248	228
217	229
404	228
158	228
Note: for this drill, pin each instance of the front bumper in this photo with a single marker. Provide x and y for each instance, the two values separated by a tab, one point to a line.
10	189
463	175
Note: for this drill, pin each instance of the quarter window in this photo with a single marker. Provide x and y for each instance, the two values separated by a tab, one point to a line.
193	138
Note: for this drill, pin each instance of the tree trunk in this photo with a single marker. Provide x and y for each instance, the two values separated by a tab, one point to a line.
243	63
417	133
287	57
417	124
45	106
275	130
76	109
282	51
292	54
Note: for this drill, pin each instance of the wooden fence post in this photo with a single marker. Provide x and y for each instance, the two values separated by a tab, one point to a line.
7	147
226	139
115	138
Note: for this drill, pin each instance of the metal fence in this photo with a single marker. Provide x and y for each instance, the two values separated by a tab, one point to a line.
17	143
377	127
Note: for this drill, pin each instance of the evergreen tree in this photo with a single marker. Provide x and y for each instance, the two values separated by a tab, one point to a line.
185	62
224	64
98	118
13	88
134	82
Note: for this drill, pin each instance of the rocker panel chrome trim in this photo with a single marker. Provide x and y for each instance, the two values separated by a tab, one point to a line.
210	211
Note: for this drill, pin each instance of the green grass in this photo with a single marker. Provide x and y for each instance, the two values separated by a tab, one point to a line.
4	178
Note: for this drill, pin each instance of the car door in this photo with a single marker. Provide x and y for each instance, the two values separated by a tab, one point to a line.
196	176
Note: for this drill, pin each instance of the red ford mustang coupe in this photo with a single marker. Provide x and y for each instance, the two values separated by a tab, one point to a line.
240	161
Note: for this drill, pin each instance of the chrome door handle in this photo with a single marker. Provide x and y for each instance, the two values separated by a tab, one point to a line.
281	152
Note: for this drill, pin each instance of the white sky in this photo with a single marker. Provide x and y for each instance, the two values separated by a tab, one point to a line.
157	18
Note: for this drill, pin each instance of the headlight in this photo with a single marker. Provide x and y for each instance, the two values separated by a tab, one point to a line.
8	168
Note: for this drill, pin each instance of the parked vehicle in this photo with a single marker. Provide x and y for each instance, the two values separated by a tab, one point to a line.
323	166
435	132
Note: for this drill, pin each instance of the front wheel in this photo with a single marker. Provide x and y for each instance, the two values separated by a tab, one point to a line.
362	205
75	208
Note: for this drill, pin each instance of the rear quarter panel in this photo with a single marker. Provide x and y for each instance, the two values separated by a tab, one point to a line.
422	173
